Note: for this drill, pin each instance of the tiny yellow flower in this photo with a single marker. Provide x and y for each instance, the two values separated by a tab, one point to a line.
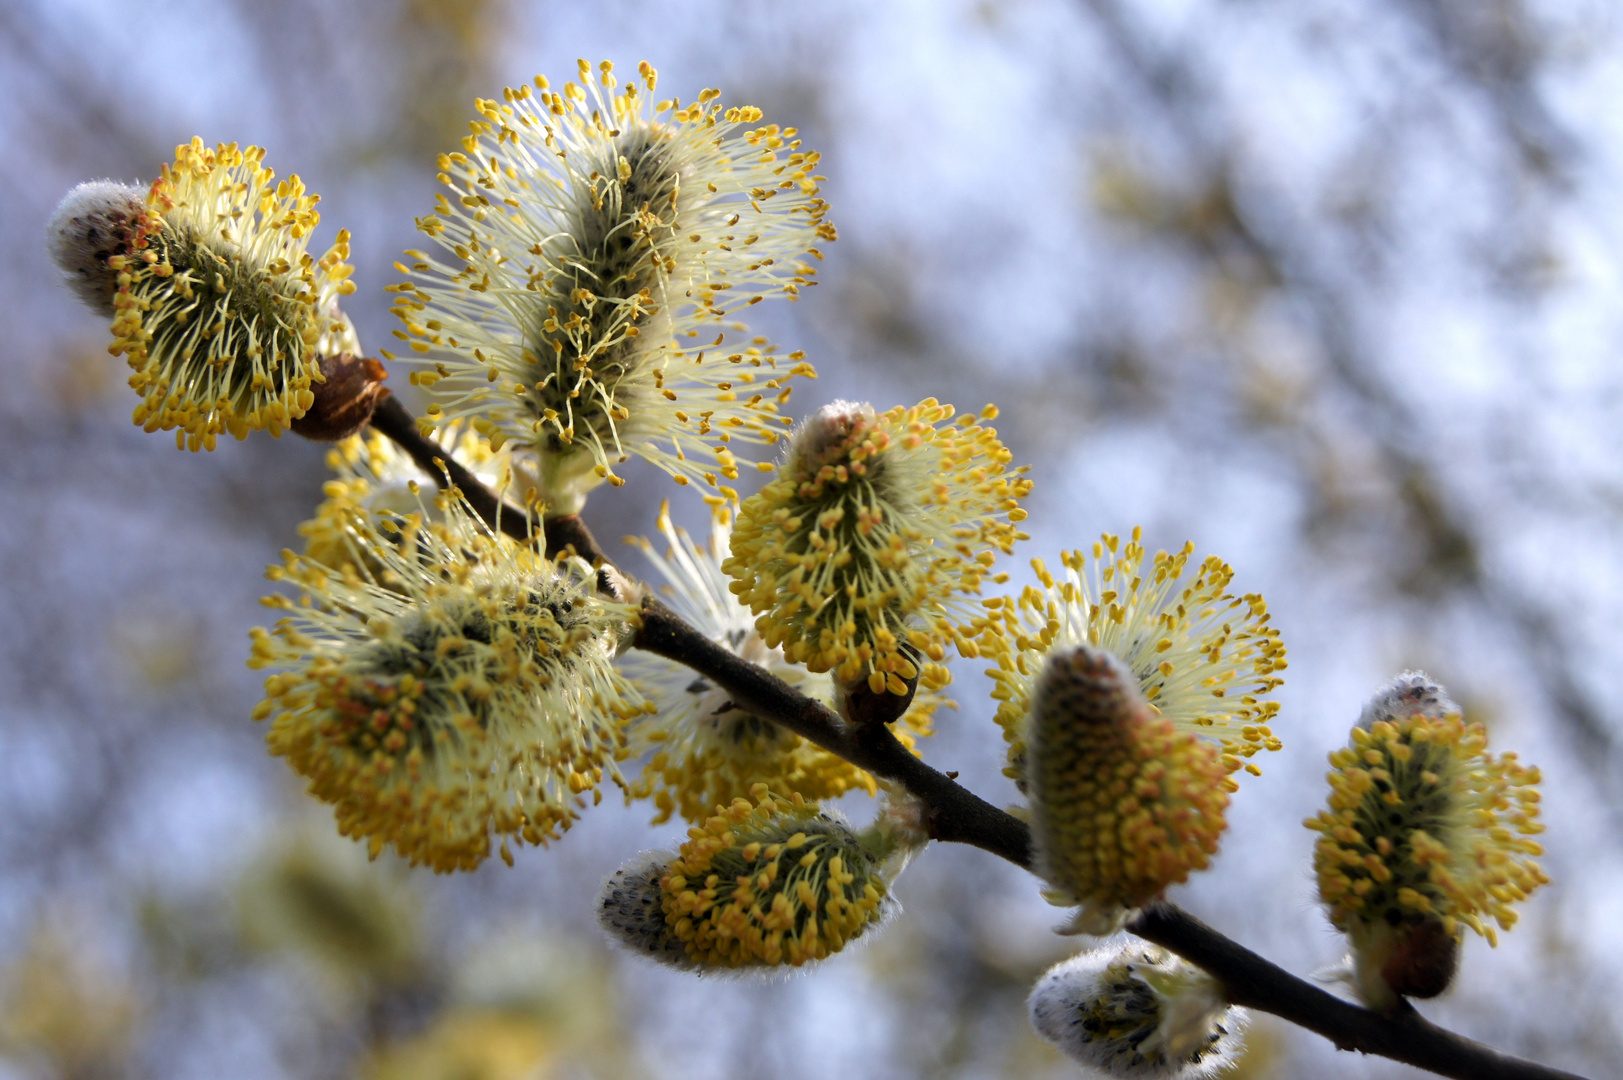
777	883
1203	657
221	312
1123	803
703	752
866	551
1138	1011
1425	833
595	248
447	685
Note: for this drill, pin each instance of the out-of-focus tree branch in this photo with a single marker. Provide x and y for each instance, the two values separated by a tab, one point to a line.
1448	557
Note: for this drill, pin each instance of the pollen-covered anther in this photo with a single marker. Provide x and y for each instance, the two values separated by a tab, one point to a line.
1123	804
376	482
864	555
1425	834
1204	657
594	245
1138	1011
219	309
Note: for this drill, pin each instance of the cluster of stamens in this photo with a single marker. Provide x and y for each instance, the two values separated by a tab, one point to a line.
859	558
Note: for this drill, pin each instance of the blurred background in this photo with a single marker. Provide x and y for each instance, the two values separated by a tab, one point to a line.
1334	290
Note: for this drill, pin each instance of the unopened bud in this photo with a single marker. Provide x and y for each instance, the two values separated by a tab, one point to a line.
1414	693
1138	1011
92	223
350	389
633	910
824	436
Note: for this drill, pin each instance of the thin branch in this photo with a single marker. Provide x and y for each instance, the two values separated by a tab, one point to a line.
1255	983
394	420
567	534
958	815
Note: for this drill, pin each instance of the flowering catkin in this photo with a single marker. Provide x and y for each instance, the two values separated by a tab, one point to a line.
777	883
445	684
1425	833
1123	804
1206	659
864	552
219	309
593	245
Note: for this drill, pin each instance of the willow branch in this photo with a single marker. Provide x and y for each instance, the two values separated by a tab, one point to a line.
957	815
1255	983
567	534
395	421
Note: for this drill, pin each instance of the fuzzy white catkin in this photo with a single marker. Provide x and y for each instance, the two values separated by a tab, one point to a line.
1406	695
631	910
91	223
1137	1012
824	430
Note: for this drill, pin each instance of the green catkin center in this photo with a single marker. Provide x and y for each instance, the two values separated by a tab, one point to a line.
609	288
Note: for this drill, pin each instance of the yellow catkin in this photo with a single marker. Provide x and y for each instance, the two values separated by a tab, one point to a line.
1424	824
863	554
1205	658
1123	804
445	685
220	311
769	884
594	248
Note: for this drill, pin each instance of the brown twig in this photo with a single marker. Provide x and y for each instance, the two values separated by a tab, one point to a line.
959	816
567	534
956	814
1255	983
395	421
